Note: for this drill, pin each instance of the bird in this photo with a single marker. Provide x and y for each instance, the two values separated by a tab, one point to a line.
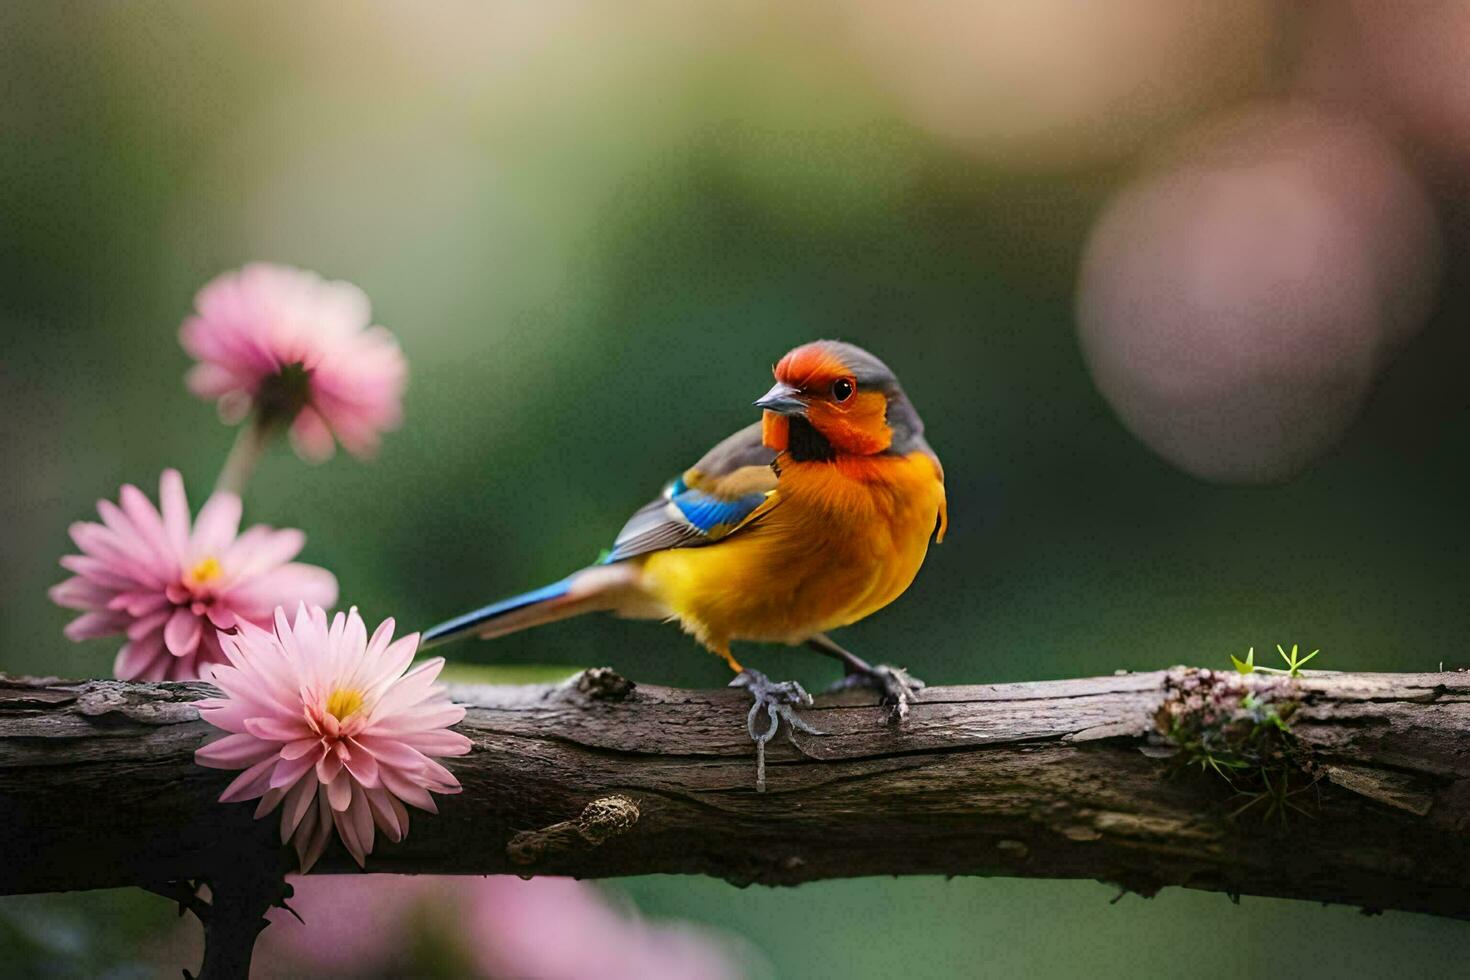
808	520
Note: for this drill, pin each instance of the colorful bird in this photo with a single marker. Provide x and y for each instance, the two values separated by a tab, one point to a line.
809	520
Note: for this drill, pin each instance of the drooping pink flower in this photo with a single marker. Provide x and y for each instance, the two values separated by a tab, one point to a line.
147	573
294	347
384	925
499	926
326	721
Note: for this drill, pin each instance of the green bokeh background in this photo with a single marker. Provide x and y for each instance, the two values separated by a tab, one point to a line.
592	239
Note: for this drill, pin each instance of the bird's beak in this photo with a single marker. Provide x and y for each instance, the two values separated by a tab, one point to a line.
782	399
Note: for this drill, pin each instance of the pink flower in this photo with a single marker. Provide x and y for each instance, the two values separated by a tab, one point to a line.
295	348
169	587
489	927
325	720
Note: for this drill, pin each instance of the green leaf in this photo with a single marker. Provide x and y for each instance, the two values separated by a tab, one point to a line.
1294	662
1246	666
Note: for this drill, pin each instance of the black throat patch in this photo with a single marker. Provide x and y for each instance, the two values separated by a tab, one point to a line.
805	444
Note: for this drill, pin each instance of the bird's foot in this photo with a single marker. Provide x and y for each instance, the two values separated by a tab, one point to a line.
774	700
894	683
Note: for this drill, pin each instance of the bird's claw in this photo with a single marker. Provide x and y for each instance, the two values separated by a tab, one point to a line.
894	683
778	700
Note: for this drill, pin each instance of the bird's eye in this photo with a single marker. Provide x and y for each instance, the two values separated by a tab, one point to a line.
842	389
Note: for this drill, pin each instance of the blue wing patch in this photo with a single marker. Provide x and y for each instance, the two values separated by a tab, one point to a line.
683	517
720	494
709	514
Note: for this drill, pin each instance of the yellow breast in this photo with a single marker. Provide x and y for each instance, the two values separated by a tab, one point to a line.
845	539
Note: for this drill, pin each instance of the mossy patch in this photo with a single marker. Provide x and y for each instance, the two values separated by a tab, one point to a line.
1238	727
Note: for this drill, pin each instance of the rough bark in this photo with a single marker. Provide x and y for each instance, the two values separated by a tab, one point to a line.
1062	779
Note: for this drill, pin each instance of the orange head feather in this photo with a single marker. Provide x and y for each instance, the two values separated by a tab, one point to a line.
834	399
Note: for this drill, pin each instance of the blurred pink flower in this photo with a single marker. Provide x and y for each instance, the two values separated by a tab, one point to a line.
294	347
169	587
325	720
505	927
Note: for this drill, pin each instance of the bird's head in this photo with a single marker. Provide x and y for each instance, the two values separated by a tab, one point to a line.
831	399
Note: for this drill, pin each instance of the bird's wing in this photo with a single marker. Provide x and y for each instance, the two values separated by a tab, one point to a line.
731	486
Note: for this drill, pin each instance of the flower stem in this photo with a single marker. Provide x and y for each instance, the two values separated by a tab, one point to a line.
244	455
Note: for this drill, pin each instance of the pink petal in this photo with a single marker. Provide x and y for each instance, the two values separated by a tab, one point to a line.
439	742
250	783
146	625
218	523
288	771
157	669
298	803
209	380
175	506
311	438
182	668
413	687
146	557
406	789
328	767
78	593
234	406
135	658
233	752
89	626
309	848
364	768
98	571
181	635
92	538
339	793
139	604
354	636
261	549
360	816
392	752
209	652
285	586
295	750
278	729
386	813
269	801
419	718
381	638
146	521
347	831
305	828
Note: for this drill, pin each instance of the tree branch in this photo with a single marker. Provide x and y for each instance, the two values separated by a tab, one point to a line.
1368	802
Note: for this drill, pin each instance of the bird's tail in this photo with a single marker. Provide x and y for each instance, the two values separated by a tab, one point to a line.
592	589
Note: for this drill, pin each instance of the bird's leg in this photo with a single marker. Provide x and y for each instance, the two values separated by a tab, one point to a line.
894	683
774	700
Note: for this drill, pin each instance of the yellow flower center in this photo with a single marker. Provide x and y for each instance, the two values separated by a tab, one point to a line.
343	703
205	572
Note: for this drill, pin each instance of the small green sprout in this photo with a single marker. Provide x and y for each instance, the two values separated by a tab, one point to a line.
1293	665
1246	666
1293	668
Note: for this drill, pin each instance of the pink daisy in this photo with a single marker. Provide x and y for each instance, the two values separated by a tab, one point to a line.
295	348
169	587
325	720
